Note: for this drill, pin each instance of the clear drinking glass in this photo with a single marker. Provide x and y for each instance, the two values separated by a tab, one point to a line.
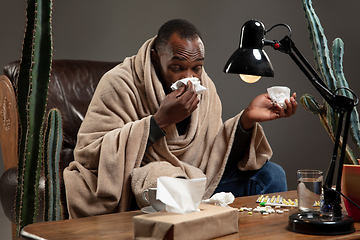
309	190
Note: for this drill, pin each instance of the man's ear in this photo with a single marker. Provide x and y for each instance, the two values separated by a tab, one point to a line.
155	59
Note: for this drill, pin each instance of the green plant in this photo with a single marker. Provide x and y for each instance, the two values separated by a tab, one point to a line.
52	148
32	89
334	78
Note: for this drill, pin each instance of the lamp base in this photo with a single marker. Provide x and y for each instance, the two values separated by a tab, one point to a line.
314	223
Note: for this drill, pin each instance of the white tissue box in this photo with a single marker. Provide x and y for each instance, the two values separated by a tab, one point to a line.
208	223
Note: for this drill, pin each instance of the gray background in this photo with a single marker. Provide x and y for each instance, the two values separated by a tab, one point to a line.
110	30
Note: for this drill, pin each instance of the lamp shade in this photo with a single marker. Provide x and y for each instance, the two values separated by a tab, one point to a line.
250	58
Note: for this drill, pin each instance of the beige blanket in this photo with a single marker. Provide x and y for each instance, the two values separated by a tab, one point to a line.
112	140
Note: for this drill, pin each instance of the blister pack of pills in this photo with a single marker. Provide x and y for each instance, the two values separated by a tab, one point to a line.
276	199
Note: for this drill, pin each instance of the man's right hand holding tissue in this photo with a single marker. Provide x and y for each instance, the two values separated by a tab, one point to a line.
177	106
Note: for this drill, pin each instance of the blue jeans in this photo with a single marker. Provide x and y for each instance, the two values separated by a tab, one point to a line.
268	179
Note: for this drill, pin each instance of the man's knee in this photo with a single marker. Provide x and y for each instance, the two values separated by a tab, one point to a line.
275	177
276	169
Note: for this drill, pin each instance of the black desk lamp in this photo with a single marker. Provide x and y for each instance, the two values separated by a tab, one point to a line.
251	62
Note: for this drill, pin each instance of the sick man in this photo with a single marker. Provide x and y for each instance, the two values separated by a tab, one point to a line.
136	129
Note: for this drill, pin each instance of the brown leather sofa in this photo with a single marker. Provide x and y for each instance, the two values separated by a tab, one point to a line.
72	85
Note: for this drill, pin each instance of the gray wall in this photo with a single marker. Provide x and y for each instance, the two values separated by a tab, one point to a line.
110	30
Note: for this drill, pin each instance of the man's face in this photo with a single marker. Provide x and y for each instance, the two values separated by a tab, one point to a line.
182	58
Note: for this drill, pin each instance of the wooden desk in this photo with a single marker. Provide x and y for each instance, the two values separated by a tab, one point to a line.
119	225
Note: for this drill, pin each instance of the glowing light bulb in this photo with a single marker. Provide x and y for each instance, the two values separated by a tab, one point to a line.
249	78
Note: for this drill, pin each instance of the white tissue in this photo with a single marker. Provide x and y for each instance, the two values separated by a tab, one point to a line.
198	87
180	195
279	94
221	199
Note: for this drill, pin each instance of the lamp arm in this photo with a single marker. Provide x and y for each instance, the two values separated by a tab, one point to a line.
286	45
341	104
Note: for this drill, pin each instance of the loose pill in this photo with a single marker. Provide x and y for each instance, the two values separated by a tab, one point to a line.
270	210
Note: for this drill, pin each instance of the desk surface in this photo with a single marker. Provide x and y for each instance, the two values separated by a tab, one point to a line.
119	225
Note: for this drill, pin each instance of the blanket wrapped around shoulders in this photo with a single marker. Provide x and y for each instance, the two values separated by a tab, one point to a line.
111	161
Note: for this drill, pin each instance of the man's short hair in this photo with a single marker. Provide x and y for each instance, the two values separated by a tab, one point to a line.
185	29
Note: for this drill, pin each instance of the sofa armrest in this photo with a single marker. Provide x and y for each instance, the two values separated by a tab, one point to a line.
9	126
8	185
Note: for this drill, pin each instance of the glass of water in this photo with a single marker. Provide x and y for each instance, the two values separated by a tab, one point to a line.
309	190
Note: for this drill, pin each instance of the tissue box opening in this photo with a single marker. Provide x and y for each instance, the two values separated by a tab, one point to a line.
211	222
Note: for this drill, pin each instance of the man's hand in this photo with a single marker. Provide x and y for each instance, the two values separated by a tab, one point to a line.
262	109
177	106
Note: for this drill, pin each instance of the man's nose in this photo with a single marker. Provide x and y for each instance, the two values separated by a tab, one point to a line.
188	74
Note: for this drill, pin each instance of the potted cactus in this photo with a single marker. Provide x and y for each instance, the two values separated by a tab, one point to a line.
334	77
39	147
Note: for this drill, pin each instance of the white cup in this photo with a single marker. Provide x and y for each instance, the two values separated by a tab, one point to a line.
149	195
